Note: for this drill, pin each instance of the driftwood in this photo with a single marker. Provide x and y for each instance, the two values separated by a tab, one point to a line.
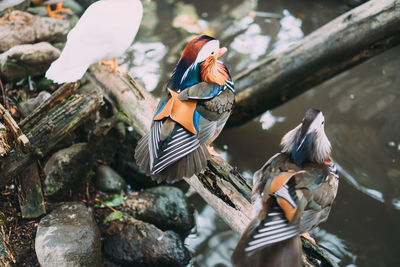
221	185
53	120
30	194
339	45
16	132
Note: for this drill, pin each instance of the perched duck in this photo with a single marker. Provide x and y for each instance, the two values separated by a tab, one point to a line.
58	12
292	193
198	101
104	31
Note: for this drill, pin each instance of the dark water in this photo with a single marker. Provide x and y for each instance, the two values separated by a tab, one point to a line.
361	107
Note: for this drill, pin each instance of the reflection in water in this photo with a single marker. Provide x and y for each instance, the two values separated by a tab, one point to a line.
244	43
334	245
186	18
239	26
289	33
361	107
353	181
214	241
146	62
268	120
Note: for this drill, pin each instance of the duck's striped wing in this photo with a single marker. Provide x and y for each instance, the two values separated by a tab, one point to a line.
274	228
269	242
177	145
282	205
170	152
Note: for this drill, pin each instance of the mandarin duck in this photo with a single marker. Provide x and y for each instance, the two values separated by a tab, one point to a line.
292	193
105	31
198	101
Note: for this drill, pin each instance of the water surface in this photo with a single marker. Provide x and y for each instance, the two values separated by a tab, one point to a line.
361	107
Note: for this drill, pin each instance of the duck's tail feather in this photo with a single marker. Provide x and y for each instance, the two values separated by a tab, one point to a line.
142	154
281	254
191	164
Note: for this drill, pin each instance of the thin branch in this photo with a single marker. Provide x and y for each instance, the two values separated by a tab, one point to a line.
5	100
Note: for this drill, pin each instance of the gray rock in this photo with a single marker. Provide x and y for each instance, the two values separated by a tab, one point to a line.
68	169
23	60
29	29
41	10
76	8
164	206
108	180
38	10
27	107
68	236
137	243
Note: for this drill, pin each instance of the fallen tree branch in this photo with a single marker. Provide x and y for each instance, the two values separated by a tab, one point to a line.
221	185
346	41
53	120
13	127
30	196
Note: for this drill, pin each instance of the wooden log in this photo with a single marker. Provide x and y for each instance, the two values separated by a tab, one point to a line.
48	124
12	126
221	185
346	41
4	140
30	194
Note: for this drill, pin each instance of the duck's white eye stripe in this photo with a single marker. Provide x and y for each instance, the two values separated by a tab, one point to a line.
206	50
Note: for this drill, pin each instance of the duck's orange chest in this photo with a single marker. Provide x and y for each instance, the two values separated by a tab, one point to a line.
179	111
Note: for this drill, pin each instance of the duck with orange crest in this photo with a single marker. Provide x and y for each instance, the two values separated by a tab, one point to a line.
292	193
198	101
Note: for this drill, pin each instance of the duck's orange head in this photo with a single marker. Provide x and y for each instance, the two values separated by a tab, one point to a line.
199	63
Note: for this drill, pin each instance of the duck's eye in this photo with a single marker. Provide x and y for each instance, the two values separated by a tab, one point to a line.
323	122
212	53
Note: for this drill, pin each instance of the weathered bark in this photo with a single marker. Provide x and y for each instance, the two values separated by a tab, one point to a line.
339	45
221	186
30	194
13	127
54	119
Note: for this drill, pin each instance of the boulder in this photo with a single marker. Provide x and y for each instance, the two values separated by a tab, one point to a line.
68	170
108	180
23	60
27	107
68	236
164	206
29	29
140	244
